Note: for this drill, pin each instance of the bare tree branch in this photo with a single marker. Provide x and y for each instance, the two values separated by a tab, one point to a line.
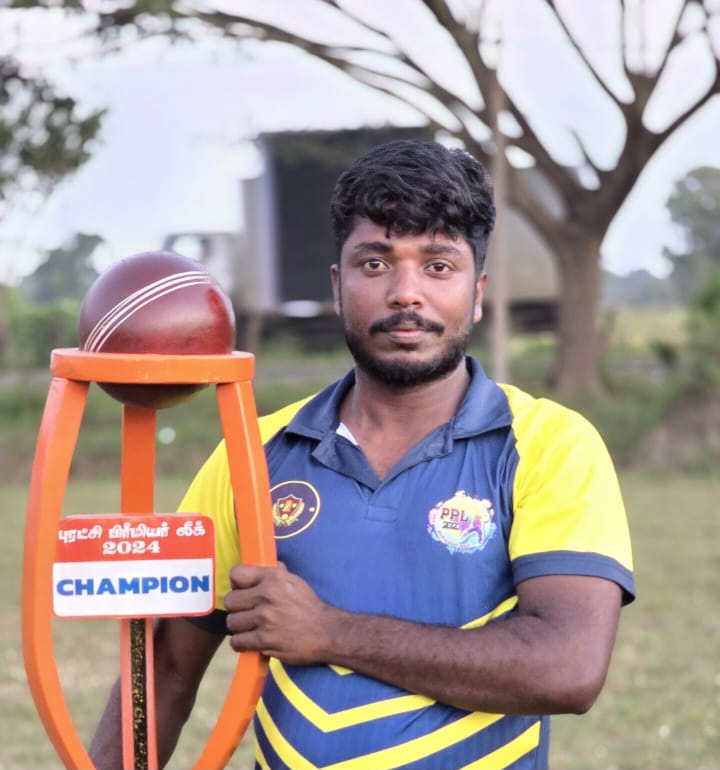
640	146
712	91
583	56
581	146
468	42
530	206
338	56
623	39
560	175
643	84
675	41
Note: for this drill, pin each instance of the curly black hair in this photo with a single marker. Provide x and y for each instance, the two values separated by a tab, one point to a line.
414	187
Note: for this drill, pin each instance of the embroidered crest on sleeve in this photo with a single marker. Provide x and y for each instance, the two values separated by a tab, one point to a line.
462	524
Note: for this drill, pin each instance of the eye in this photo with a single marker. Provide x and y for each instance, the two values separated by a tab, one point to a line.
374	265
439	268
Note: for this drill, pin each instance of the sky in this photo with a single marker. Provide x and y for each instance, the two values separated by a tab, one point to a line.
177	137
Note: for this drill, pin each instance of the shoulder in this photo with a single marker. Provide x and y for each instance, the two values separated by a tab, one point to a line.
215	471
270	424
547	421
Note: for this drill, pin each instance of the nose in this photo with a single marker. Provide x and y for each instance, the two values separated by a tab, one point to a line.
404	289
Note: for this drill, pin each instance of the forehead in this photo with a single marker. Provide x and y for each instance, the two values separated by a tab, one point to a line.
366	232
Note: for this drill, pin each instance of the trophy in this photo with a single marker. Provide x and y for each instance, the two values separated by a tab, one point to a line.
154	330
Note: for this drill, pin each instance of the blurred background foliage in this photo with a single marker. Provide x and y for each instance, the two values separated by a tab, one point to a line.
44	134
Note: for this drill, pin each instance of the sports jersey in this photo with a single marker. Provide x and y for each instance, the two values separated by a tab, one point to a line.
511	488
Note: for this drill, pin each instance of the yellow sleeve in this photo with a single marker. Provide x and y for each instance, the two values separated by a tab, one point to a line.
210	494
568	511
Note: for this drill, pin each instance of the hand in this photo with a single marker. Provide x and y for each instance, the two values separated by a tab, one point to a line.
277	613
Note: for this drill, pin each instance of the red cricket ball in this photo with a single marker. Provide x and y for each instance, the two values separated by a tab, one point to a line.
156	302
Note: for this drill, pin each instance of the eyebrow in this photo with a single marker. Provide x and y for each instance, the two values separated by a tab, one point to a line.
386	248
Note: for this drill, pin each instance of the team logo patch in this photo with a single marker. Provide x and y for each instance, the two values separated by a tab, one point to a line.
462	524
295	505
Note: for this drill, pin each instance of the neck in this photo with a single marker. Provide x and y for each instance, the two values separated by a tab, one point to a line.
373	406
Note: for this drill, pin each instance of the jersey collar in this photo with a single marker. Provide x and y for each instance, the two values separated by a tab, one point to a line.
483	408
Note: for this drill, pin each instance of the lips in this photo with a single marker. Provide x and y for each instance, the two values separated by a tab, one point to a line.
407	328
406	324
406	331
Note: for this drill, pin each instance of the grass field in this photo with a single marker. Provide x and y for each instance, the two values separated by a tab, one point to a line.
660	707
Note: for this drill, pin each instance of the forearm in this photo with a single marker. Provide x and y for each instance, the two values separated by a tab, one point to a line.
106	746
171	714
550	657
519	665
181	655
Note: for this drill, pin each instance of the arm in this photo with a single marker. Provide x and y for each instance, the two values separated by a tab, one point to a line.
182	652
551	657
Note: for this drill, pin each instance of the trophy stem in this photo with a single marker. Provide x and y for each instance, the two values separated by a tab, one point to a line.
137	488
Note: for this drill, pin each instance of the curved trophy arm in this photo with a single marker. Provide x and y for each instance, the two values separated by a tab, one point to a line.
53	456
250	485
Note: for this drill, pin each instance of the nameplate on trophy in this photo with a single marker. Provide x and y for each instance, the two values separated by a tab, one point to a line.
127	565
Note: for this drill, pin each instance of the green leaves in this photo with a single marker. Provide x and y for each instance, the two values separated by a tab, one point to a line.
704	334
43	133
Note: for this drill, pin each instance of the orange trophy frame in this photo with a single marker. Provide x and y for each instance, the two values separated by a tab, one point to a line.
72	372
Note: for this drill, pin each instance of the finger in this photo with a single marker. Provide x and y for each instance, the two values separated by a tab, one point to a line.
240	600
245	575
241	622
245	641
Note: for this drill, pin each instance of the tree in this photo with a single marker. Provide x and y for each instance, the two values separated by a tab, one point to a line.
67	273
570	199
694	206
704	335
43	136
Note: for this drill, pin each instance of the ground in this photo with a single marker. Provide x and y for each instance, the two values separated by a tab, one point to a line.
688	439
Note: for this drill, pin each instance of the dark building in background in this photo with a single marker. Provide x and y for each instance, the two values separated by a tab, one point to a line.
276	267
304	168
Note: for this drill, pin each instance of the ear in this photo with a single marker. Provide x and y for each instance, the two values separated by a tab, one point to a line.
479	293
335	279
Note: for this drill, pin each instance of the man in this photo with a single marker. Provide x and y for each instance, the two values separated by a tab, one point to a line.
453	552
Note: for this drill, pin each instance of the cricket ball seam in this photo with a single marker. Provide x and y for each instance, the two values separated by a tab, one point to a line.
127	307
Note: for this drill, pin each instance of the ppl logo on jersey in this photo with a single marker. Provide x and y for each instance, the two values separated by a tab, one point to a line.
462	524
295	506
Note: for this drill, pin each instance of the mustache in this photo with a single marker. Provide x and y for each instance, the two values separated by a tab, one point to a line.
406	318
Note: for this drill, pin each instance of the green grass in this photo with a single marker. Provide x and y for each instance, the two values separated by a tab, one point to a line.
638	328
660	707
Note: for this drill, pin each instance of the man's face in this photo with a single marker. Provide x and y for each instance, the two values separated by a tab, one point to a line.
407	302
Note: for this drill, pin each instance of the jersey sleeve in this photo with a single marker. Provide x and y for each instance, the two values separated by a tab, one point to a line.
210	494
568	512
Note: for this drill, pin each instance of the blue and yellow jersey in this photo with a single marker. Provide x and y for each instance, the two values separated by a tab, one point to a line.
512	488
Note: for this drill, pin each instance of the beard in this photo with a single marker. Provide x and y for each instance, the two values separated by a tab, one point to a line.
396	373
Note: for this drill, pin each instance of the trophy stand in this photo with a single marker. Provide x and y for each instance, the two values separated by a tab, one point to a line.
72	372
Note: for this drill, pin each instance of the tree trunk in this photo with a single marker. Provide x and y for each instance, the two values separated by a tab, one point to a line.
577	364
